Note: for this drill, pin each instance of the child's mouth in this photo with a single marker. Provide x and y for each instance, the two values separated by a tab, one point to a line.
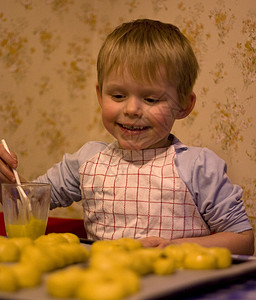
132	127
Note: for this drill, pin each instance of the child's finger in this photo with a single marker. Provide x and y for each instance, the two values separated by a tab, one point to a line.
4	179
6	174
9	158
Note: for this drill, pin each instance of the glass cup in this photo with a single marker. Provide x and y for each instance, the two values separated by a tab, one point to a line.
26	217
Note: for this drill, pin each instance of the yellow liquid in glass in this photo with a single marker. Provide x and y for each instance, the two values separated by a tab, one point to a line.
33	229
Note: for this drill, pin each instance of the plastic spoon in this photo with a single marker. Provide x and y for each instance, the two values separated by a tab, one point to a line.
23	197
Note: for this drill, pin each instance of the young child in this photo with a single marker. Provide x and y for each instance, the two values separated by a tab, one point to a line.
148	185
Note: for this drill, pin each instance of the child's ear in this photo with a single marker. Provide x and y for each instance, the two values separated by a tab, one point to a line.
191	101
99	95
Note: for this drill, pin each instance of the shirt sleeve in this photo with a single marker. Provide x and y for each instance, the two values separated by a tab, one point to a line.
218	200
64	176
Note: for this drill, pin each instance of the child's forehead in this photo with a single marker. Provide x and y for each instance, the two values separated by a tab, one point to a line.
145	77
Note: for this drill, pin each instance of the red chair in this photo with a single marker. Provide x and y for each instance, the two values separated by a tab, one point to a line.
62	225
58	225
2	226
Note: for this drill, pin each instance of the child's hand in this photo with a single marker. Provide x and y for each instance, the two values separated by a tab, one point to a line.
7	162
154	241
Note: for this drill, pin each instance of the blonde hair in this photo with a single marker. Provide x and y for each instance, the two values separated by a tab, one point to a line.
146	48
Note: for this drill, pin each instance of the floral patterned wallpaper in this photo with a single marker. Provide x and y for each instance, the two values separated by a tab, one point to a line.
48	105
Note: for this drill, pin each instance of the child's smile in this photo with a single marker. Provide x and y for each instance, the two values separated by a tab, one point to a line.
132	129
139	116
132	132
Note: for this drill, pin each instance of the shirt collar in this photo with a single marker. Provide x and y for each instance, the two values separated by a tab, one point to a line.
178	145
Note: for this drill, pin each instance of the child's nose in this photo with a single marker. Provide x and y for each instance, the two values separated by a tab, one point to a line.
133	106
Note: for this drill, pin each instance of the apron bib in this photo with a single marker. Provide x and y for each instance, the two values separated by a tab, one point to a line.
137	193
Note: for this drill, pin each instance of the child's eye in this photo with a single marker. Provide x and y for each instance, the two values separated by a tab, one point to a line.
151	100
118	97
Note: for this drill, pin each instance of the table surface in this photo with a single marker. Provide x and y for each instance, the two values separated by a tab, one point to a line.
245	289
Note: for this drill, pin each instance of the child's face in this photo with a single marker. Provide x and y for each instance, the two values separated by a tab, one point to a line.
139	115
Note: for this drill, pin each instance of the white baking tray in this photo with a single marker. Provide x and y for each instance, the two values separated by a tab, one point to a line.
157	287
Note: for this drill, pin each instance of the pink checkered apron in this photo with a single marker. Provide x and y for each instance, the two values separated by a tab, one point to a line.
137	194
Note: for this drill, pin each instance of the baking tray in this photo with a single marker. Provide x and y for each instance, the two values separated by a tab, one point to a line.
155	287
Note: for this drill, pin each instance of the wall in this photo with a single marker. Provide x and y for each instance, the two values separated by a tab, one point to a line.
48	55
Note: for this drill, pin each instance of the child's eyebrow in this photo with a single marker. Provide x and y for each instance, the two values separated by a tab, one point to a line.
112	86
146	89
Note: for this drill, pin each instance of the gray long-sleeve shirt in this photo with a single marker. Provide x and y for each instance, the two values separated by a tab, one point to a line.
204	173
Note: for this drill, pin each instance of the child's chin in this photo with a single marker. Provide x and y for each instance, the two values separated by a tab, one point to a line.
130	146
